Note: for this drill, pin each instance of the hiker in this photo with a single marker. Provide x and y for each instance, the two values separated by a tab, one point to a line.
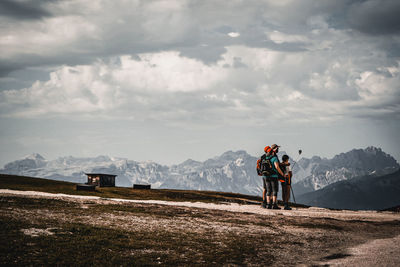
286	181
267	151
271	181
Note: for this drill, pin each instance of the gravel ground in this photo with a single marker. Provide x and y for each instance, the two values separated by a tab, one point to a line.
303	236
379	252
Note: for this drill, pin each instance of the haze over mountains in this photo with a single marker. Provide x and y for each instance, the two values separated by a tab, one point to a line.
229	172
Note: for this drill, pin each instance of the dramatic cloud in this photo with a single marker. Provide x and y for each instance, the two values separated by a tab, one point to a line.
163	85
375	16
182	62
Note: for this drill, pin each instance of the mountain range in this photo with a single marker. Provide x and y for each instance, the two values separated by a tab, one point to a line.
229	172
361	193
320	172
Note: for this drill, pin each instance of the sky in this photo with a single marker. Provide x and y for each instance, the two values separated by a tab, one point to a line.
177	79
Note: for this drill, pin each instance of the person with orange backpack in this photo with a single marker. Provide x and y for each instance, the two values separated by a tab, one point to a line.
269	169
260	170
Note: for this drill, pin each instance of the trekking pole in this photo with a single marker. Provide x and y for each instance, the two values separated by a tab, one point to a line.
291	188
300	151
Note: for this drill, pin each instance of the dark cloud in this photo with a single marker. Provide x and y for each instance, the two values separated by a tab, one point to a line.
22	78
29	60
375	16
28	10
7	67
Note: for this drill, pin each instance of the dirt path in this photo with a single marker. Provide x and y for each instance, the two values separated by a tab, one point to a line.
312	212
379	252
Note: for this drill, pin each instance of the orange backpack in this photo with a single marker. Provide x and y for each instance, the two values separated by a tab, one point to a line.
259	167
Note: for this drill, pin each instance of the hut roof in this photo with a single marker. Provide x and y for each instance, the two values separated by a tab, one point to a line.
101	174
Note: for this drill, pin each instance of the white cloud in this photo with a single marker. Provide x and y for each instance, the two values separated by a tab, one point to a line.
380	87
234	34
166	71
168	86
102	86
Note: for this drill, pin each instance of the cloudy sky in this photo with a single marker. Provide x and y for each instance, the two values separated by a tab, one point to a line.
172	80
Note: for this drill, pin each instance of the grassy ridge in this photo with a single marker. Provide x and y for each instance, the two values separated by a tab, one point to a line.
15	182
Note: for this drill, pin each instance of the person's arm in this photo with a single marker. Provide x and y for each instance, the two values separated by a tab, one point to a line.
276	163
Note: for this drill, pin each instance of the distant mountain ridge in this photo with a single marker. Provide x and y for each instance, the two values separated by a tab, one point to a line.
233	171
361	193
316	173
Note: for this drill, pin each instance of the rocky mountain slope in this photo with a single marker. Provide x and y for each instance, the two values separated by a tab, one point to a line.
316	173
229	172
361	193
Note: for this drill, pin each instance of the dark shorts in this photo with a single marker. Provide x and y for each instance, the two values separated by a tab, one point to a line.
271	185
285	187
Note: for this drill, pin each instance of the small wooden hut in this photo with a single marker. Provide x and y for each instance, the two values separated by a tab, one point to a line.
101	179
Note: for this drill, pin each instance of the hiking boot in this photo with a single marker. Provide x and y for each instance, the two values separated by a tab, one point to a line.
275	207
286	206
264	205
269	206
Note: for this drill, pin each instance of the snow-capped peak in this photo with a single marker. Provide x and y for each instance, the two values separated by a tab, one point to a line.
34	156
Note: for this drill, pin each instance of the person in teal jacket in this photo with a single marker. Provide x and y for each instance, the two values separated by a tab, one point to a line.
271	181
